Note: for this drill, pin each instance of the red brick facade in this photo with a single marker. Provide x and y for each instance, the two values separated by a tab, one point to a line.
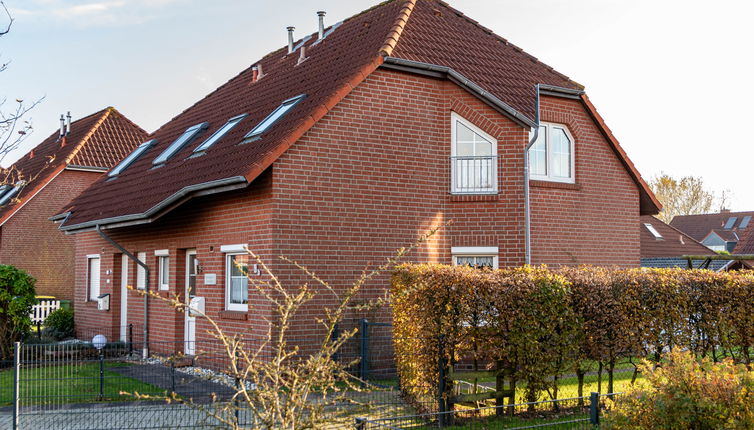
368	178
31	242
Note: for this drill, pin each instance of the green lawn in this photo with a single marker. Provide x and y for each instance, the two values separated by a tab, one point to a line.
75	383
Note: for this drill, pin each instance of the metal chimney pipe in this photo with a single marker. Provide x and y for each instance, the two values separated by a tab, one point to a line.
321	15
290	39
68	124
62	125
302	55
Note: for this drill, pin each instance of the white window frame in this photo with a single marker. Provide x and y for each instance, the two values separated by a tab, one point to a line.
230	251
91	294
475	251
454	120
548	155
163	269
654	231
141	274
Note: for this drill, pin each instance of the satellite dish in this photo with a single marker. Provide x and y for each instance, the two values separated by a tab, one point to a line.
99	341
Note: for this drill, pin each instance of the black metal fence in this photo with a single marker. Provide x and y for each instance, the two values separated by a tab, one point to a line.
572	413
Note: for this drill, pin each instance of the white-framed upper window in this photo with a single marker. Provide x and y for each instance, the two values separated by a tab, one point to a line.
237	281
473	158
141	274
163	266
475	256
92	276
551	157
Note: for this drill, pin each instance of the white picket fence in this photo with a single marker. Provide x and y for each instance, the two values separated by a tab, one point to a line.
42	309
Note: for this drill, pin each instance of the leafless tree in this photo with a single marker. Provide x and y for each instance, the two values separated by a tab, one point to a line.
281	384
14	126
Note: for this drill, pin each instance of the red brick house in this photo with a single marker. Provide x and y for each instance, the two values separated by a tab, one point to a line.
41	182
342	147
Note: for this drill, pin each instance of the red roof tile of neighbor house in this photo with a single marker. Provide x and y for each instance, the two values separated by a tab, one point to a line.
674	243
700	226
427	32
97	141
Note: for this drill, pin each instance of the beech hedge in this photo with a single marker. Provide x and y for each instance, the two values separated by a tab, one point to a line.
536	324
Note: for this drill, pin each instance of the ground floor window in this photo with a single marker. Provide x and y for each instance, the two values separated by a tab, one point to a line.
163	264
92	276
237	282
476	256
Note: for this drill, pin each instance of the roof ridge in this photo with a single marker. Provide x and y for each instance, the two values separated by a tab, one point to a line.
106	114
128	120
395	32
507	42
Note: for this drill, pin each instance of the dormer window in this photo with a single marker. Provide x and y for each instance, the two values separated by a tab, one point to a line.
132	157
551	157
9	193
186	138
654	231
473	160
273	117
222	131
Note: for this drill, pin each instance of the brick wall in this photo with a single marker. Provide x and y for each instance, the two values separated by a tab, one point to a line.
206	224
33	243
369	178
595	221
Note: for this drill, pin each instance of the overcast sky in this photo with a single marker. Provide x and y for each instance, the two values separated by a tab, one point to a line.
672	78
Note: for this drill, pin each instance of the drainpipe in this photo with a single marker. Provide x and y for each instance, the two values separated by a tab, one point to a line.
527	204
145	349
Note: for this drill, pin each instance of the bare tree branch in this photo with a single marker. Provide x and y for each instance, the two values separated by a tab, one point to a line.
10	19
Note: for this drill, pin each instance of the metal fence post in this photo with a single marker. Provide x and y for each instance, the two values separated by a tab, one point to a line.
16	386
441	388
361	423
130	339
594	409
364	349
172	376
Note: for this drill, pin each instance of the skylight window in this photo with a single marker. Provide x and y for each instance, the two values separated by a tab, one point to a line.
222	131
745	222
131	158
731	222
272	118
10	194
187	136
653	230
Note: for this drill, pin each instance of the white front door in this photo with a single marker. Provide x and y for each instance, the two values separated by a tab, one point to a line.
124	298
190	321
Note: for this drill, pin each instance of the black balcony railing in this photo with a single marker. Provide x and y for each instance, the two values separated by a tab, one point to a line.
473	174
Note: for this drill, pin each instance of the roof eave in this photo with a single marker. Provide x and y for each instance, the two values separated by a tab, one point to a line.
163	207
436	70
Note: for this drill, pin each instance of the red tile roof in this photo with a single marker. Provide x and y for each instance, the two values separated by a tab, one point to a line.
674	243
427	31
97	141
699	226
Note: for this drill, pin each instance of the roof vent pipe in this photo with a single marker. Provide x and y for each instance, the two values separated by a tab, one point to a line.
68	123
302	55
290	39
62	125
321	15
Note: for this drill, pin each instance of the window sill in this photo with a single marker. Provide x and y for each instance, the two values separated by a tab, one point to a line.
538	183
474	197
234	315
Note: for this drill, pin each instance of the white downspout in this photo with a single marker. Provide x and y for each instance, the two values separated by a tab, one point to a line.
527	203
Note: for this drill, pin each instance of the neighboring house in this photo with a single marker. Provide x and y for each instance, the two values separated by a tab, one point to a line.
341	148
724	231
41	182
664	246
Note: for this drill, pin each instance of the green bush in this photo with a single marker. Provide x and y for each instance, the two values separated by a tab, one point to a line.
59	324
17	297
536	325
686	393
